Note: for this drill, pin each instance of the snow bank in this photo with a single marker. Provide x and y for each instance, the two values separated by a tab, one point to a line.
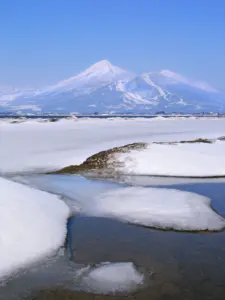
32	225
153	207
187	160
113	278
34	146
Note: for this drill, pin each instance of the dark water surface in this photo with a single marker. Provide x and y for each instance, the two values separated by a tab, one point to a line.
184	265
179	265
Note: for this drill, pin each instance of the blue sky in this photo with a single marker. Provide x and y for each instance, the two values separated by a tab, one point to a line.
44	41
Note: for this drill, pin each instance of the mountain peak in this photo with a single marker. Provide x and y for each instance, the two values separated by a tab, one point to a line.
102	63
173	76
104	67
167	77
105	72
97	75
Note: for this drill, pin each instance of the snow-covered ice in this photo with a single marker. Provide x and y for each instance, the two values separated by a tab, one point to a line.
112	278
32	146
186	160
32	225
152	207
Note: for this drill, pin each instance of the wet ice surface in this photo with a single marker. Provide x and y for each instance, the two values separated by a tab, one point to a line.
153	207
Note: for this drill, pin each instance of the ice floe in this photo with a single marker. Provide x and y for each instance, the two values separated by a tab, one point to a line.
159	208
153	207
32	225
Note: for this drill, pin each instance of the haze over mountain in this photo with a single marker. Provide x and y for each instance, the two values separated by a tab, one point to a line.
105	88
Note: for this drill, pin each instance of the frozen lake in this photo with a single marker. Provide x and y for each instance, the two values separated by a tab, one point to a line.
143	237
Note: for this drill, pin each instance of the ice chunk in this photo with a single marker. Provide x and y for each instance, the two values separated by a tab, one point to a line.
32	225
113	278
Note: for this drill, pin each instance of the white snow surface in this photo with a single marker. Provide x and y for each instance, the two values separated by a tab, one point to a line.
153	207
113	278
186	160
38	146
33	225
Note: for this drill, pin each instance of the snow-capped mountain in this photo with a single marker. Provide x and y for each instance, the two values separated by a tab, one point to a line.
105	88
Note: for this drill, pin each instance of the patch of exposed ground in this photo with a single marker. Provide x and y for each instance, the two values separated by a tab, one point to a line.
100	161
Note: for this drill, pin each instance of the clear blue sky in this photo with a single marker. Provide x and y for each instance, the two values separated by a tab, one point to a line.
43	41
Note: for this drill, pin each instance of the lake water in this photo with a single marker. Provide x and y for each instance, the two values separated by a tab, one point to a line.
177	265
